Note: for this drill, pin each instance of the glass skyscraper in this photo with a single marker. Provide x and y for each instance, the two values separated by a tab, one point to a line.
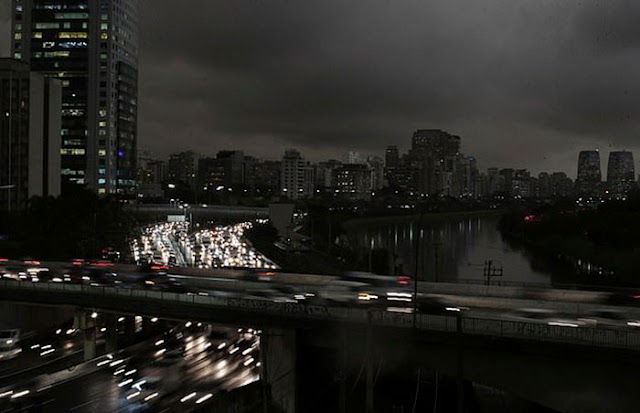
92	47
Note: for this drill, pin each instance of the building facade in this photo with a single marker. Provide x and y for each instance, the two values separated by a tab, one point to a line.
435	153
181	169
354	182
620	173
589	175
296	178
30	106
92	47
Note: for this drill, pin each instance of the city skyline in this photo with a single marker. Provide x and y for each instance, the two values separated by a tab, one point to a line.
290	82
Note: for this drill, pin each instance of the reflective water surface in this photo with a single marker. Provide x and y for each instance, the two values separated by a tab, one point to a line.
452	251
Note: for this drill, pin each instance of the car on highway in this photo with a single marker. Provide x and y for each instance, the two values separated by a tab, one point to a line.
604	317
436	305
9	344
542	316
345	293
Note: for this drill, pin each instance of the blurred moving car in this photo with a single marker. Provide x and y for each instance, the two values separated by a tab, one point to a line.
346	292
608	318
542	316
436	305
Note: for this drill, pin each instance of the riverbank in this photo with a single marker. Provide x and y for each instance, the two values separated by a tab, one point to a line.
426	218
306	262
597	247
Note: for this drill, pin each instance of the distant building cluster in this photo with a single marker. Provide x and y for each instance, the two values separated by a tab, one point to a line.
433	168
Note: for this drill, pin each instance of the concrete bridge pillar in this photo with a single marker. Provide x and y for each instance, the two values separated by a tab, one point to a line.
128	326
86	321
111	335
278	357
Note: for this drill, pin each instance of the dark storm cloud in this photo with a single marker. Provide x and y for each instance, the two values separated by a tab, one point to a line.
525	83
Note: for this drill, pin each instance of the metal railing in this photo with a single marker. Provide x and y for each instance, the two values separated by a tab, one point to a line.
627	339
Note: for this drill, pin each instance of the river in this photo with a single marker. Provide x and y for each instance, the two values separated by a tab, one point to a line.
452	250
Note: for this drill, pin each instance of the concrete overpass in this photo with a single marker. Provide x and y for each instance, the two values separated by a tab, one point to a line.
567	369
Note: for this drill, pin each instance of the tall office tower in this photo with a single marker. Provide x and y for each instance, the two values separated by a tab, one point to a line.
437	154
392	157
296	179
29	135
92	47
620	173
468	171
589	176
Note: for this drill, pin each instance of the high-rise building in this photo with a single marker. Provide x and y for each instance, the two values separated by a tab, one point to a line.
391	157
435	153
267	177
29	135
324	173
228	168
507	175
296	178
544	185
92	47
468	172
620	173
589	174
181	168
354	182
233	164
377	169
521	184
561	184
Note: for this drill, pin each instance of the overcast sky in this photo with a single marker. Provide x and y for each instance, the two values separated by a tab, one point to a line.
524	83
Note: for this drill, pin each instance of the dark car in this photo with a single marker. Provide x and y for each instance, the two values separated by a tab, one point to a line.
436	305
162	282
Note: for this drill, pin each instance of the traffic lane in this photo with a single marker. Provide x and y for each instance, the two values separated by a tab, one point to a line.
203	367
40	350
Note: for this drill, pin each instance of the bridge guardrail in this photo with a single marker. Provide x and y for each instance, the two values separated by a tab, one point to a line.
628	339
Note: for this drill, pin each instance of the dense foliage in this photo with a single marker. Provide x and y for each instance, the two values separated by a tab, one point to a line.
606	237
78	224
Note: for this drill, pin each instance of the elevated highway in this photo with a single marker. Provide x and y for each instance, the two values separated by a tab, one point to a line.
539	362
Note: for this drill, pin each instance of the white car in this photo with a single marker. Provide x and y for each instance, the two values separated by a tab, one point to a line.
346	292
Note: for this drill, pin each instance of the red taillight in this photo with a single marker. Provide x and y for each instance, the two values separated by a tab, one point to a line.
159	267
102	264
4	259
404	280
